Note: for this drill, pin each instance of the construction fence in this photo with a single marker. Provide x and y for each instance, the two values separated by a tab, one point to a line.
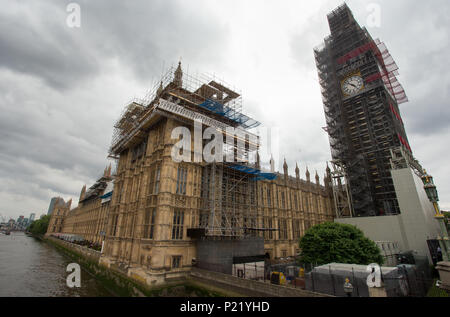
404	280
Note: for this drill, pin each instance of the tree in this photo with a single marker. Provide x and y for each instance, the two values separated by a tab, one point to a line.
40	226
338	243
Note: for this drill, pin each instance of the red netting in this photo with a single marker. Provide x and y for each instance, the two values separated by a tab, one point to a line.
396	114
404	142
389	69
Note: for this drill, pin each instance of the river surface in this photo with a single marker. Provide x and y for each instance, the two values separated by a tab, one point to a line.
32	268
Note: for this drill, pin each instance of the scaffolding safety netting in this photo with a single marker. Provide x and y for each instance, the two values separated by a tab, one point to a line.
396	114
193	94
253	171
230	113
364	125
389	69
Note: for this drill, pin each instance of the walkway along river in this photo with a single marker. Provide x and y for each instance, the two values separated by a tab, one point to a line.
30	267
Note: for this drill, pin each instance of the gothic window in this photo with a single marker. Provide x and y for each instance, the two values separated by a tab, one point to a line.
181	180
176	262
177	225
296	228
252	195
161	135
282	229
277	202
157	179
268	234
195	181
149	223
138	151
114	225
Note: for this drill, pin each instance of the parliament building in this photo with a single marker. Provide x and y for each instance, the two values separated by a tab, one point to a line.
153	215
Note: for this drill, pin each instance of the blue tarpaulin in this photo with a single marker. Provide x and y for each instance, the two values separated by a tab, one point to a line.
253	171
106	195
230	113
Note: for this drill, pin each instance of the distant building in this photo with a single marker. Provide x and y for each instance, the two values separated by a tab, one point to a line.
32	216
54	201
89	218
52	204
59	211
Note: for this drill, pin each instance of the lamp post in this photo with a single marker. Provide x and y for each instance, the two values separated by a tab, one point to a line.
432	194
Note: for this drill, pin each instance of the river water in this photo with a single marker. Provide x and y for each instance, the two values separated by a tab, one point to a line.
33	268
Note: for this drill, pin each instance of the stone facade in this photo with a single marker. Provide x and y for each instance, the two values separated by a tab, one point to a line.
295	206
141	231
156	200
58	213
89	218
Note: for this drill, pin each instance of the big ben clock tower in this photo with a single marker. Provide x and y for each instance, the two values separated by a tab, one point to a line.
361	96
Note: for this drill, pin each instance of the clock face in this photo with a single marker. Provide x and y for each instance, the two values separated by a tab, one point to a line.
352	85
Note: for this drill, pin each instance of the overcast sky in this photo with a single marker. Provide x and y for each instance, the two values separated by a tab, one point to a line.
62	88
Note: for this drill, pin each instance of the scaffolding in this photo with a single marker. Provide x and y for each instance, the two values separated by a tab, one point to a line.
228	188
400	159
362	127
341	191
207	97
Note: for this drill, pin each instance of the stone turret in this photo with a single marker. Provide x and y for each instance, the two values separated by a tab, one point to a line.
308	175
178	76
258	161
108	172
286	172
328	177
272	165
297	171
160	89
83	193
317	179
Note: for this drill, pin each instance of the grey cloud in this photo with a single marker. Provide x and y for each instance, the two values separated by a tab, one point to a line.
141	34
39	156
29	132
58	108
34	40
146	34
